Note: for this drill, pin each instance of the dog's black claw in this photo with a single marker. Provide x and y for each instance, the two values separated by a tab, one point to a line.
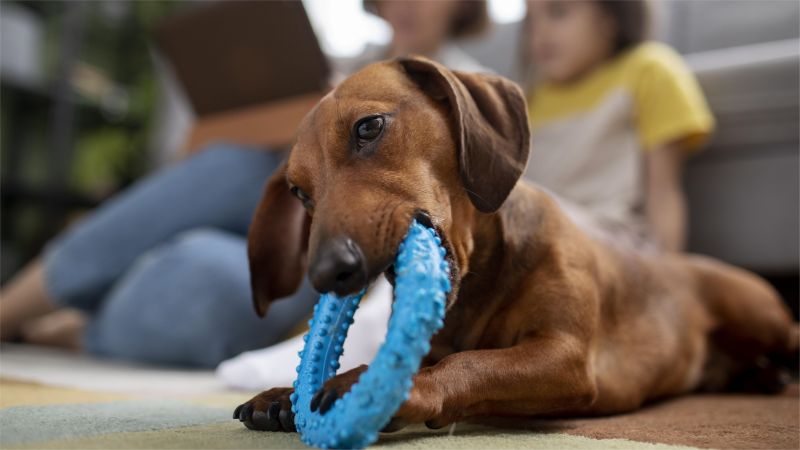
273	411
237	411
246	412
327	401
316	399
286	418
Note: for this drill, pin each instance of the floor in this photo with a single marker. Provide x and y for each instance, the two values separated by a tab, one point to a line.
50	399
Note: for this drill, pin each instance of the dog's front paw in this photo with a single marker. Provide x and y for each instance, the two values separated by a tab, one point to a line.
424	405
268	411
335	388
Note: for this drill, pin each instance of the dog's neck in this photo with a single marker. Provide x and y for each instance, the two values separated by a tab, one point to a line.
476	241
488	249
485	243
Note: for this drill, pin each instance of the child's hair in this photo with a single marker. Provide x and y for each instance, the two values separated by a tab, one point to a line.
632	18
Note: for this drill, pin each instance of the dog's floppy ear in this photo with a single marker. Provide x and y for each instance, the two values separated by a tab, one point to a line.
277	243
491	125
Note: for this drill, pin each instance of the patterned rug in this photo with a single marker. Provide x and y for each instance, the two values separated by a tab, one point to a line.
36	415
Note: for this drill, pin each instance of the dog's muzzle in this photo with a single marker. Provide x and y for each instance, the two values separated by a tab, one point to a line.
339	267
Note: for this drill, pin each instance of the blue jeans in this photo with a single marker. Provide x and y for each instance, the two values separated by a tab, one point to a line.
162	267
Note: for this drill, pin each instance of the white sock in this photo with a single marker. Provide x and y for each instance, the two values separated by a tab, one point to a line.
275	366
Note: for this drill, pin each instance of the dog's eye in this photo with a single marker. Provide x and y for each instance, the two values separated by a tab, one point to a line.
297	192
369	129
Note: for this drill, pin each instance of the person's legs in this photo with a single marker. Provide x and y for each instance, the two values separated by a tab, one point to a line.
219	187
216	188
188	302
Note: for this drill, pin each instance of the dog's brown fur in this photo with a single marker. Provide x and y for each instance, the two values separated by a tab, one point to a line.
545	318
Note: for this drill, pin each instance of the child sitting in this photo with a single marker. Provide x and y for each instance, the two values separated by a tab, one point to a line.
612	116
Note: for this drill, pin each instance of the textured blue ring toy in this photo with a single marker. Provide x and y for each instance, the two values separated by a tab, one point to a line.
354	420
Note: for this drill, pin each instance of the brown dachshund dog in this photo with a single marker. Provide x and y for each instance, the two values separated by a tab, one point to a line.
547	316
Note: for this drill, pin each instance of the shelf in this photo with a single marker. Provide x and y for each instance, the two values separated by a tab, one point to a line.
11	190
43	98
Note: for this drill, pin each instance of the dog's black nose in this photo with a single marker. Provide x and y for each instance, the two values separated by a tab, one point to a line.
338	267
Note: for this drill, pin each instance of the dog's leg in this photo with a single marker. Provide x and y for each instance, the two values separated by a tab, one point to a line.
755	339
538	376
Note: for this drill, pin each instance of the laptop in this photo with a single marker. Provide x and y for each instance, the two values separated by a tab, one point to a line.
250	69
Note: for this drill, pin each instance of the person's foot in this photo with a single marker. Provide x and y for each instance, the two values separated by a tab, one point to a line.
62	328
275	365
23	299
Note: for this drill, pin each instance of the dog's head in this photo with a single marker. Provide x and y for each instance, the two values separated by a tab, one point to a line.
397	140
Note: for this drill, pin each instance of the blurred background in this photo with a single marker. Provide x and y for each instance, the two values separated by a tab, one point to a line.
88	106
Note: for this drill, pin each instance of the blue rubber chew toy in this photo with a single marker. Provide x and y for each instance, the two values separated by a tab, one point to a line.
354	420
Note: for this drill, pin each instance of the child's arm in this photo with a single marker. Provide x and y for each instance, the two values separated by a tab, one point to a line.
665	203
673	120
